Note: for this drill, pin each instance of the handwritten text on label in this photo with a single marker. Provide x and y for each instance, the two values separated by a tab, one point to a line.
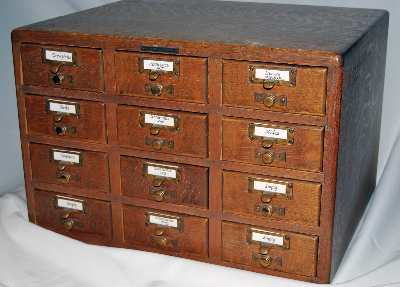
62	108
70	204
161	171
270	132
159	120
59	56
267	238
269	187
158	65
164	221
66	157
272	75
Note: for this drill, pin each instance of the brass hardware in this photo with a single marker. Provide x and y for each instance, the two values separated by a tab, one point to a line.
158	143
268	157
271	83
61	167
154	131
58	117
159	232
158	89
153	75
57	78
56	67
266	141
285	238
269	100
69	223
154	127
179	220
160	240
158	181
266	197
62	130
265	260
269	210
63	176
159	194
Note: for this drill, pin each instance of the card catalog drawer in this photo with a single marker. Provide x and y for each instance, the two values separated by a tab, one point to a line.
164	181
69	119
161	130
273	144
271	198
168	232
69	167
62	67
166	77
295	89
264	249
85	219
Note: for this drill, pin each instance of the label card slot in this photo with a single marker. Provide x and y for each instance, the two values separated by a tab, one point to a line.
62	107
164	220
65	156
70	203
268	238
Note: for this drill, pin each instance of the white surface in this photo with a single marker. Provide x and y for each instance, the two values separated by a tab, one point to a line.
31	256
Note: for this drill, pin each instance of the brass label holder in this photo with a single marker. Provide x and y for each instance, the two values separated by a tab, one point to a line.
65	157
157	121
162	220
62	108
155	72
273	75
271	134
267	238
273	187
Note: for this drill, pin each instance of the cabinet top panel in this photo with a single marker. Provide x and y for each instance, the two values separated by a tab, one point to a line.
297	27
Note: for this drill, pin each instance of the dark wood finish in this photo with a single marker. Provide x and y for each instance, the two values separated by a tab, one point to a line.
359	134
191	237
298	257
304	154
84	73
189	187
306	95
189	137
186	83
47	170
89	125
337	52
93	225
301	204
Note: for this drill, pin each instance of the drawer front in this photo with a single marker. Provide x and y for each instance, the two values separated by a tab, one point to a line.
264	249
271	198
168	232
164	181
62	67
161	130
273	87
69	119
81	218
273	144
69	167
161	76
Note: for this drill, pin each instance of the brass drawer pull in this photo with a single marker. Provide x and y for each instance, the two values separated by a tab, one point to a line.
158	89
63	176
265	259
269	84
62	130
158	194
270	100
158	144
153	75
67	221
269	210
269	156
57	78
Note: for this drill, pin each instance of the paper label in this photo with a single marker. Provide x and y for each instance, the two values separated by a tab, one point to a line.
69	203
154	65
159	120
164	221
64	108
161	171
59	56
66	156
267	238
269	187
270	132
273	75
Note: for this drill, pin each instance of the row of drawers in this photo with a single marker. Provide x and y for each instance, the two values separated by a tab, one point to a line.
181	184
178	234
263	86
182	133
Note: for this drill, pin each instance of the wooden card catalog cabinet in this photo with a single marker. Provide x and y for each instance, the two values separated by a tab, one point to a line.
199	138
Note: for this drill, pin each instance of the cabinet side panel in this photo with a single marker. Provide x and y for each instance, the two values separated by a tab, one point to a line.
364	73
